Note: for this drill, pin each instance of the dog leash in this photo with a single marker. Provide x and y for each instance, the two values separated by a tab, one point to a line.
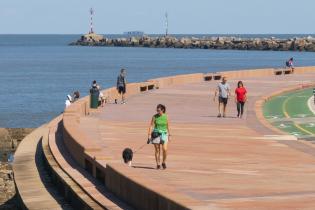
139	148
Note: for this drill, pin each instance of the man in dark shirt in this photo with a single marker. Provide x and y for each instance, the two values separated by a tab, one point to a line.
121	85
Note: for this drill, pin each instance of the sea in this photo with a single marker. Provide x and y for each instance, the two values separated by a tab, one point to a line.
38	71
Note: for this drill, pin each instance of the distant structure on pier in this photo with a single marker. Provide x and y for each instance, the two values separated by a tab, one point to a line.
166	24
134	33
91	37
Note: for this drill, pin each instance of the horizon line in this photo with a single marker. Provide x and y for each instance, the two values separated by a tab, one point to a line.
161	33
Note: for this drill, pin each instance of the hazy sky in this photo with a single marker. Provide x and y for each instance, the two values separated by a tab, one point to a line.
185	16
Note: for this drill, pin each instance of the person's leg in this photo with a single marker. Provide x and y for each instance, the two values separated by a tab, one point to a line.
219	107
224	108
123	91
164	155
238	106
123	97
157	154
119	95
242	108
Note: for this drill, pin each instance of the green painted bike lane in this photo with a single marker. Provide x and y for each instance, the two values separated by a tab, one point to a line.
280	110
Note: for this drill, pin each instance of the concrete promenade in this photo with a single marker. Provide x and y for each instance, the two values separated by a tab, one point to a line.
213	163
226	163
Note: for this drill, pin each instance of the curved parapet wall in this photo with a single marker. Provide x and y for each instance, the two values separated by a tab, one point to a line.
91	157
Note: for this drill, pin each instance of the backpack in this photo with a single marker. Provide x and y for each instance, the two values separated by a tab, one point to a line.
287	63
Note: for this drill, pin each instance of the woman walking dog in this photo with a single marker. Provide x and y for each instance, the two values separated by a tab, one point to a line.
160	134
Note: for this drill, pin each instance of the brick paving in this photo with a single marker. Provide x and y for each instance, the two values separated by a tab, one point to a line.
225	163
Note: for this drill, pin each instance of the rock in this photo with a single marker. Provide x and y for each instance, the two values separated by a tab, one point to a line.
134	41
92	37
7	197
4	133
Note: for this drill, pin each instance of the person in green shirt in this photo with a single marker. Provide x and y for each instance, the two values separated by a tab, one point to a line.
160	125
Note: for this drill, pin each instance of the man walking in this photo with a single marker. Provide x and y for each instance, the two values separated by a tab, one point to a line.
121	85
223	90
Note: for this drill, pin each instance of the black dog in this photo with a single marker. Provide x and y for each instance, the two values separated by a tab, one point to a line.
127	156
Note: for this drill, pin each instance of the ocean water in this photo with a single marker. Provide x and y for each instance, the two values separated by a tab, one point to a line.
38	71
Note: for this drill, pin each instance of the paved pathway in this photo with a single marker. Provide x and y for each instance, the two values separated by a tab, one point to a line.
226	163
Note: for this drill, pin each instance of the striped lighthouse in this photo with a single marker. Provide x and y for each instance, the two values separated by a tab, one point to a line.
91	21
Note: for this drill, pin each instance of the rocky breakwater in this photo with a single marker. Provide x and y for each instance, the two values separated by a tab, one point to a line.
9	140
228	43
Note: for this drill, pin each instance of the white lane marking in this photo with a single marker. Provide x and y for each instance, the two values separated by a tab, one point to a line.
310	106
310	125
282	125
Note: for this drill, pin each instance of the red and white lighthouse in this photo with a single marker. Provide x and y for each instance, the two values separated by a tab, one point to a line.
91	21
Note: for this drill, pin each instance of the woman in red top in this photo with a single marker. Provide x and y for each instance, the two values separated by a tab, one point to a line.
240	98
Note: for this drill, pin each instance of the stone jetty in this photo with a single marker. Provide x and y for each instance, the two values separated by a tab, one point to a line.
228	43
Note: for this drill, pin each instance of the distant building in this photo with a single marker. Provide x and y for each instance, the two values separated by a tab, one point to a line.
134	33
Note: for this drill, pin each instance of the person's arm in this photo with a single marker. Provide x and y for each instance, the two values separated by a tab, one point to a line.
245	96
168	129
215	93
229	91
236	95
150	127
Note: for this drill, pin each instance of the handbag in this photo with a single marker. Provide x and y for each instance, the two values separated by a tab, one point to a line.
155	137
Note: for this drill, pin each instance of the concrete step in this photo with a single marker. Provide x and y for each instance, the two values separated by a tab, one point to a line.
34	185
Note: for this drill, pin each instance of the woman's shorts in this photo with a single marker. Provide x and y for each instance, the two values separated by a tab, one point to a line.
164	138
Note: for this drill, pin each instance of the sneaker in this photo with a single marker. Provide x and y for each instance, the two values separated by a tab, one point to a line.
158	167
164	165
123	102
219	115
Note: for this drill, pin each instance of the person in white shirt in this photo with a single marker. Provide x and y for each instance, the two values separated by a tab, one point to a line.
68	101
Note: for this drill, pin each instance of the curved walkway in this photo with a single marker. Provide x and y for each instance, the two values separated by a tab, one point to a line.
218	163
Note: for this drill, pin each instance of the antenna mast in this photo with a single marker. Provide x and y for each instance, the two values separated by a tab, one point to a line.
91	23
166	24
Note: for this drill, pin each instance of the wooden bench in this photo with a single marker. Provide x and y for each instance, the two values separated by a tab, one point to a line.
217	76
